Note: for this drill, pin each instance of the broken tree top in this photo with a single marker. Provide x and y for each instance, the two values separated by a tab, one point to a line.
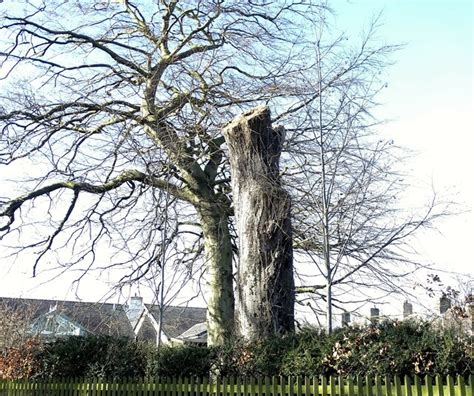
251	135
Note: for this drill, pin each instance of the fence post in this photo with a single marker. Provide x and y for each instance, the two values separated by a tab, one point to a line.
123	388
192	391
418	391
450	383
72	386
238	386
65	385
341	384
350	386
276	385
205	386
178	388
378	385
140	385
332	385
253	386
225	387
299	386
185	389
429	385
307	386
315	386
398	386
95	387
388	385
408	390
267	386
368	385
232	390
461	385
439	385
218	386
291	386
197	386
324	386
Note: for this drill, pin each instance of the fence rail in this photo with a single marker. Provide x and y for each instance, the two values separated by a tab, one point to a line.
262	386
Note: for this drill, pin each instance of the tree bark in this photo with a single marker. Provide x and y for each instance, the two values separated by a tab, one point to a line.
265	284
218	252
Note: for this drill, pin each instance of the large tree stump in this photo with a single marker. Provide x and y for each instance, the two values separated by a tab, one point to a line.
265	284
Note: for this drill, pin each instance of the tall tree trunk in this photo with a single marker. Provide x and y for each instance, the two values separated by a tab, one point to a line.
265	284
329	307
218	250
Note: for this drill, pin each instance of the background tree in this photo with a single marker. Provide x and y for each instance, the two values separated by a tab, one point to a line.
352	224
15	324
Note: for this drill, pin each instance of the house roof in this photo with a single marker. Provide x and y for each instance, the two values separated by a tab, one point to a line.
97	318
177	320
197	333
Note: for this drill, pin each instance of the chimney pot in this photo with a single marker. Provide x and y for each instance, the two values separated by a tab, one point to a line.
374	314
345	318
407	309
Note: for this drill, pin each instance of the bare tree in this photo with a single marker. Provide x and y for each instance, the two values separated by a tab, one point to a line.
351	224
119	102
15	324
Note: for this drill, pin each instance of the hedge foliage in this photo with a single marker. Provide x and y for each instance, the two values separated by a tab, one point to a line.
388	348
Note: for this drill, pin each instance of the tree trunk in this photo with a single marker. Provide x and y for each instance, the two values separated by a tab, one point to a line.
265	284
329	307
218	250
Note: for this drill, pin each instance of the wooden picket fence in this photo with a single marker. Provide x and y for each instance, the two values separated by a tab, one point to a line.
263	386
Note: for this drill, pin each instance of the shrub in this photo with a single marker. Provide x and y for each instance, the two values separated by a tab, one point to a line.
388	348
175	361
20	362
254	359
306	356
98	357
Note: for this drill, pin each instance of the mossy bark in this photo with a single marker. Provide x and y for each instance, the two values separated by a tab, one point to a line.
218	252
265	283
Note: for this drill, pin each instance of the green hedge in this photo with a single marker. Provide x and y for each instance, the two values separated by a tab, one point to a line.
101	357
388	348
112	358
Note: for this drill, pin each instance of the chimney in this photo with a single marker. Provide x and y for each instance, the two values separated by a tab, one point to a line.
444	304
407	309
135	309
345	318
374	315
136	302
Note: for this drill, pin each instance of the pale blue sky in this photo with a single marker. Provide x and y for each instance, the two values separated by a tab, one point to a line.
429	102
